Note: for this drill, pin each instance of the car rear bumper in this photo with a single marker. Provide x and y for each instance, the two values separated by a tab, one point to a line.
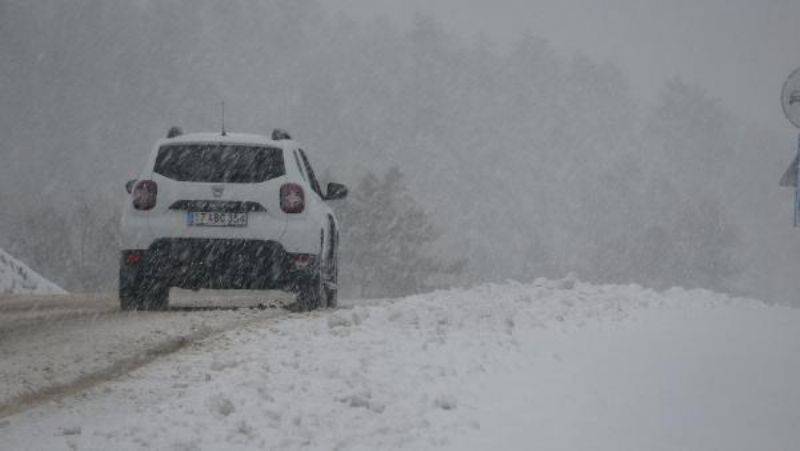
140	231
195	263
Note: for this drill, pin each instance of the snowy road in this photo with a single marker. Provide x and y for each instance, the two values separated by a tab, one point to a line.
550	365
52	346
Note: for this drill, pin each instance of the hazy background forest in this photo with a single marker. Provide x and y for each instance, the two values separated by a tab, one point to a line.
467	162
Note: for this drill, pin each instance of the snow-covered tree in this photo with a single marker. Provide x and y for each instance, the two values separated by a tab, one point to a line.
388	241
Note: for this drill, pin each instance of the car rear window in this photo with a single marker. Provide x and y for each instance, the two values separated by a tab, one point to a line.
219	163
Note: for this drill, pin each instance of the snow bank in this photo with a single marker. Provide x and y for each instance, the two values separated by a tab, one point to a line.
548	365
18	278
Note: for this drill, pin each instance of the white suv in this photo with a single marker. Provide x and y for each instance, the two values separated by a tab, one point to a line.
228	211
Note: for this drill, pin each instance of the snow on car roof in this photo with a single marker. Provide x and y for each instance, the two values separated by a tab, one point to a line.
232	138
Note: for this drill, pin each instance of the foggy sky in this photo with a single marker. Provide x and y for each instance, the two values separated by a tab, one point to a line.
739	50
87	87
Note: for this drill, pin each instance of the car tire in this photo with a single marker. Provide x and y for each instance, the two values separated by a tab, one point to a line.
135	295
310	294
330	287
330	284
331	295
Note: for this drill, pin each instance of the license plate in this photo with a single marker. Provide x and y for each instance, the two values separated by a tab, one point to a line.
216	219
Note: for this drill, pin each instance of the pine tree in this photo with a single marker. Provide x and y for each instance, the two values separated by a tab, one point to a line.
388	241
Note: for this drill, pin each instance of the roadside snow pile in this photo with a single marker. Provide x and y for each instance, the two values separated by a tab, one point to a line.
18	278
549	365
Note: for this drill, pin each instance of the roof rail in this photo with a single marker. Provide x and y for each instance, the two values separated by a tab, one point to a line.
174	131
280	134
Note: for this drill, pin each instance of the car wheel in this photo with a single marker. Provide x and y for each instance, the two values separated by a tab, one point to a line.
331	284
332	297
310	294
155	297
135	295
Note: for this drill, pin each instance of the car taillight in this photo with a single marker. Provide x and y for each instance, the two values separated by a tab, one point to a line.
144	195
134	257
302	261
292	198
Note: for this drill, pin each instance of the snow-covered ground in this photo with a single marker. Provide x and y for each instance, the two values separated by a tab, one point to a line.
55	344
549	365
18	278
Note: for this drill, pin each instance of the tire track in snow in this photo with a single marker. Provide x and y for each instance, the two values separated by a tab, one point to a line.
59	347
119	368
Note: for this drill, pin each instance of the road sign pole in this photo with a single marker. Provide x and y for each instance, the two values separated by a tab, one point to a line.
790	102
797	186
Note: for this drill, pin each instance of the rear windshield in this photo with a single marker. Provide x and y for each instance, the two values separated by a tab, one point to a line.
219	163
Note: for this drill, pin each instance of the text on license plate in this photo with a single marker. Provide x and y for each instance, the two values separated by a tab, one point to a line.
216	219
